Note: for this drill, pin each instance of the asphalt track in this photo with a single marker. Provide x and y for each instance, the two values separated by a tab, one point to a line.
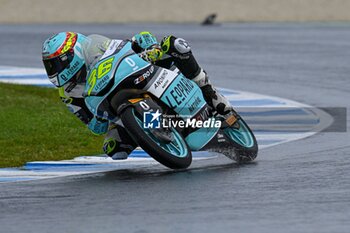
301	186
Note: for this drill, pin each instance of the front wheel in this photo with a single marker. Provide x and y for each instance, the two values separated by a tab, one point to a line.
174	154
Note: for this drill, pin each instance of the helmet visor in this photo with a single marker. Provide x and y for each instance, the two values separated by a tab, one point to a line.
56	65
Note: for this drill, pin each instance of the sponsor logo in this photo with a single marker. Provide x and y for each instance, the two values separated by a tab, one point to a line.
151	120
70	71
221	137
102	82
156	120
147	74
160	80
181	90
195	104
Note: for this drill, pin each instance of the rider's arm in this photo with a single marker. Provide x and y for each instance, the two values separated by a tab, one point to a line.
180	51
78	107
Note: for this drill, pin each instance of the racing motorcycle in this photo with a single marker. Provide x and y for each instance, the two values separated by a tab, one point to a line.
164	112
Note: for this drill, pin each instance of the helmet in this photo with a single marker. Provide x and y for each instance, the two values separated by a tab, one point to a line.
63	59
145	40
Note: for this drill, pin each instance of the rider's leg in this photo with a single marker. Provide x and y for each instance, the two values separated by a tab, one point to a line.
184	60
211	95
118	144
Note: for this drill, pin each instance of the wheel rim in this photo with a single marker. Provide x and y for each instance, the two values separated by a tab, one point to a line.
242	136
176	148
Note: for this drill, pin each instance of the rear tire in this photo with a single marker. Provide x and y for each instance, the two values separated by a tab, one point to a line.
181	156
244	142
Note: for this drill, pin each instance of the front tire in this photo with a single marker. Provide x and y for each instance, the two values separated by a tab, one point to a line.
175	155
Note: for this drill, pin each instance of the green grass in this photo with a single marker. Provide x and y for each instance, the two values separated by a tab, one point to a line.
35	125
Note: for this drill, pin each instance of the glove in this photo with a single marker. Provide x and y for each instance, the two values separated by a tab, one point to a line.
153	54
98	126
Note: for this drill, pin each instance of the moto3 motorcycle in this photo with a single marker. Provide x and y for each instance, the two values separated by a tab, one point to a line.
164	112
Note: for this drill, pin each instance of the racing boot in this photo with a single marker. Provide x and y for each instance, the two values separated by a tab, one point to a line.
211	95
118	144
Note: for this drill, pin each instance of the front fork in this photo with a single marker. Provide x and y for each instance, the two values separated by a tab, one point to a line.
150	113
141	105
145	104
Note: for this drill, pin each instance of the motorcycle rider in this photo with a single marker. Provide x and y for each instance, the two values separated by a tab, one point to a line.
177	52
66	68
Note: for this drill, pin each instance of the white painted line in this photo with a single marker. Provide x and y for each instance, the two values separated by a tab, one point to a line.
33	81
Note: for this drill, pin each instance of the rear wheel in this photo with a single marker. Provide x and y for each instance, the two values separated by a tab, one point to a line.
245	144
174	154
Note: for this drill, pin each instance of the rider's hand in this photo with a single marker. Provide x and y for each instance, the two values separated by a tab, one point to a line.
152	54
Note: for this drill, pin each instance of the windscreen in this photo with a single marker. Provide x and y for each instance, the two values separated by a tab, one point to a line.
94	48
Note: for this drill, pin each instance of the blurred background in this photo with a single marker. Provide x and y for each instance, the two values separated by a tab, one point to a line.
174	11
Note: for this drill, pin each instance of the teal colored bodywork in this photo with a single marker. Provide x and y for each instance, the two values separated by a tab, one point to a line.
124	63
186	102
182	94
